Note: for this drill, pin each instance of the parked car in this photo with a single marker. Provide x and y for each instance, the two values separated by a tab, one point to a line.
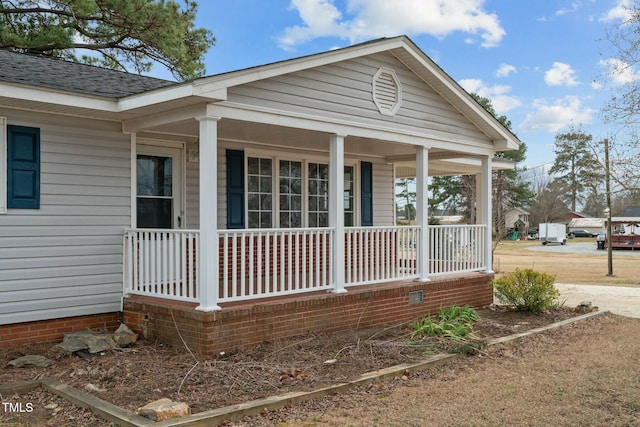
582	233
533	234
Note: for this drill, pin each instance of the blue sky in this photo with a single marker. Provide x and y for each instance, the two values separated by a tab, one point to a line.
542	63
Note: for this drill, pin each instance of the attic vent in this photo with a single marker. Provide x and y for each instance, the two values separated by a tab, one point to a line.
387	91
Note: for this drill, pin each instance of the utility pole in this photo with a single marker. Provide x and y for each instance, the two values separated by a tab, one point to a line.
608	210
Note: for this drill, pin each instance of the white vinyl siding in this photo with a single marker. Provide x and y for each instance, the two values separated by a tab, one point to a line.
344	91
65	259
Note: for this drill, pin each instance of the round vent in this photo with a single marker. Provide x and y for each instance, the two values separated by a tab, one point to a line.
387	91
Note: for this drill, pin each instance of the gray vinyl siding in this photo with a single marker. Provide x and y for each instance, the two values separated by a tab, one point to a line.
344	90
65	259
383	194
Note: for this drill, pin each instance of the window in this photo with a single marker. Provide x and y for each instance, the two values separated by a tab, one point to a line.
22	167
290	194
349	197
259	192
318	195
155	191
300	196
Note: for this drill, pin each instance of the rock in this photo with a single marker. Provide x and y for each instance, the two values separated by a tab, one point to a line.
51	406
330	361
123	336
94	388
585	307
163	409
30	361
86	340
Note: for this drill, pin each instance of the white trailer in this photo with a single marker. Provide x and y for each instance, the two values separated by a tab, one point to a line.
553	233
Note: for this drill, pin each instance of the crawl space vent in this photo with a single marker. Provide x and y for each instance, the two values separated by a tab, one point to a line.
387	91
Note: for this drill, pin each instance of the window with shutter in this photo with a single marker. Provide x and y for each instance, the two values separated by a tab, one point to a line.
23	167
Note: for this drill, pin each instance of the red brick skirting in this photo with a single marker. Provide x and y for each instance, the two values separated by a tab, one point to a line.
54	329
247	324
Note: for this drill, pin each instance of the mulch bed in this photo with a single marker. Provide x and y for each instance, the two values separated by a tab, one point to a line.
148	371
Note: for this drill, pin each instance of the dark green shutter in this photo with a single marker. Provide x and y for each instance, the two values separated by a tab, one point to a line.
366	193
23	167
235	189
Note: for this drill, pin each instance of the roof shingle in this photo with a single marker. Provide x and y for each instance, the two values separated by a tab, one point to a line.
54	73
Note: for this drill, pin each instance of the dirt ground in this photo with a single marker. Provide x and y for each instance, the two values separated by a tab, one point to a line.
148	371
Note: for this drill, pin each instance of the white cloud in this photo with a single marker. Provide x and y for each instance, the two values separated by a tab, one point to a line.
621	12
574	8
620	72
596	85
553	117
498	94
505	70
382	18
560	75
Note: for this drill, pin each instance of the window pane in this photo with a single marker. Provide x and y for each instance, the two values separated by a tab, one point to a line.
154	212
154	175
253	166
265	220
253	202
253	184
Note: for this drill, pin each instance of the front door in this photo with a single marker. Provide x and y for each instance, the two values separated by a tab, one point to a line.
159	184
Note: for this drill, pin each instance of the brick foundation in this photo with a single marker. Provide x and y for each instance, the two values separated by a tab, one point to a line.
244	325
54	329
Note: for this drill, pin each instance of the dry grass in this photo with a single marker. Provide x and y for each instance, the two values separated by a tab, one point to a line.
568	268
563	378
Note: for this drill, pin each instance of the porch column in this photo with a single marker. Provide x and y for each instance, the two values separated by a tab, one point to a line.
336	210
207	269
485	212
422	212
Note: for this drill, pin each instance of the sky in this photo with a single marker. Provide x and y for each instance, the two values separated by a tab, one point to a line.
544	64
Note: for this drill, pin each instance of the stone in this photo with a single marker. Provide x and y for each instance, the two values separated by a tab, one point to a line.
123	336
164	409
94	388
31	361
86	340
585	307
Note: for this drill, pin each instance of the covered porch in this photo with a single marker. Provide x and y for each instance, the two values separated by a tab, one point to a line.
287	193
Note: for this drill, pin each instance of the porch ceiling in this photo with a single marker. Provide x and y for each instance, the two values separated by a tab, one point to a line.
267	136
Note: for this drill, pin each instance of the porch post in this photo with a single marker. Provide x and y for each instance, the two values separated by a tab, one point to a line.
207	269
485	212
422	212
336	210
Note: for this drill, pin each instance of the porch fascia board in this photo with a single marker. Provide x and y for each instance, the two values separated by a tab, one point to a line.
166	117
269	116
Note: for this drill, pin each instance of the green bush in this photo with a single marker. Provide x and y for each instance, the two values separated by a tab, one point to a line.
527	290
450	322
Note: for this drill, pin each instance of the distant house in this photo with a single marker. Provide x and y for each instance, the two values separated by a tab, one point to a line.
593	225
246	206
517	219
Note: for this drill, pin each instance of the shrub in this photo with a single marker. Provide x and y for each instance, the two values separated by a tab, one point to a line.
527	290
450	322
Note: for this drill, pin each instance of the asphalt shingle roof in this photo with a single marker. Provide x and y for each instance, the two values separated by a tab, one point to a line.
43	71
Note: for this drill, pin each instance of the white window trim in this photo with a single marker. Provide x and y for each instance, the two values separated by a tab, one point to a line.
275	183
3	165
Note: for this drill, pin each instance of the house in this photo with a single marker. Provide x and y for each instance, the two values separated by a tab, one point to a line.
240	207
517	219
592	225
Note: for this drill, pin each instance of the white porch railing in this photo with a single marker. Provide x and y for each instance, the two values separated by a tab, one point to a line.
456	249
380	254
272	262
162	263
